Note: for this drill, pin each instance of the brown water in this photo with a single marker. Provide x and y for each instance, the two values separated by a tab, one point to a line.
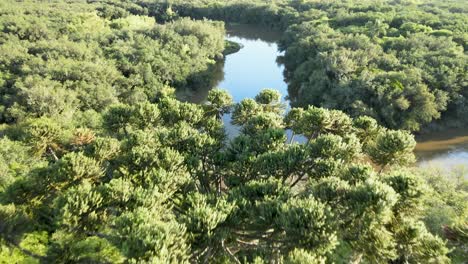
254	68
447	149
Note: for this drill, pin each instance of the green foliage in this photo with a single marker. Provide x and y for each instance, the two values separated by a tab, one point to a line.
204	215
103	165
15	161
308	220
74	168
149	236
158	182
393	148
419	245
79	208
58	60
401	62
219	102
243	110
67	248
44	135
446	210
299	256
231	47
411	190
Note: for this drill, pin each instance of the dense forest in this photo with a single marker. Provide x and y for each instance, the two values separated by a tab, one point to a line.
101	163
401	62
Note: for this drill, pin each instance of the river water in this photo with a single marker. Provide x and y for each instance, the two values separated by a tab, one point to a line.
447	149
254	68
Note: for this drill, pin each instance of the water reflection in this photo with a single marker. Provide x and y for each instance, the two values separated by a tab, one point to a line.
447	149
256	33
254	67
245	73
197	89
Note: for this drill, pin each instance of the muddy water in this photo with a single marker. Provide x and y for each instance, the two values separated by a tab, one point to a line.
447	149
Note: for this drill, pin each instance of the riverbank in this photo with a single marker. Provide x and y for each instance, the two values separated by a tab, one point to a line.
231	47
254	67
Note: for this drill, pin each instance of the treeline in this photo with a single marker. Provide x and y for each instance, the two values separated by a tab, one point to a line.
100	163
65	59
401	62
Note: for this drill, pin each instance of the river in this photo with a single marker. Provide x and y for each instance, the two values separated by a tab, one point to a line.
447	149
254	68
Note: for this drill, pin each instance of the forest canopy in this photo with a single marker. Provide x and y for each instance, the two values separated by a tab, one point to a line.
61	59
401	62
101	163
159	182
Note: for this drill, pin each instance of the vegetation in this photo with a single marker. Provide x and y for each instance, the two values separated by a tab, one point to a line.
100	163
160	183
231	47
61	59
401	62
446	215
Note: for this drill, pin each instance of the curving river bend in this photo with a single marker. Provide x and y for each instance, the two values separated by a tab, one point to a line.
254	68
